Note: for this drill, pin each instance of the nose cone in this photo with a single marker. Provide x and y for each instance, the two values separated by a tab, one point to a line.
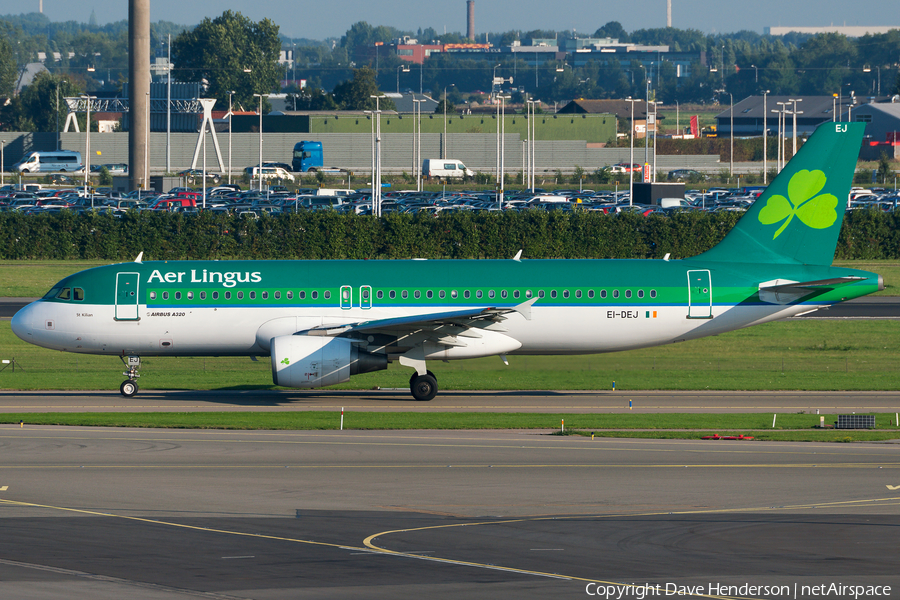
21	323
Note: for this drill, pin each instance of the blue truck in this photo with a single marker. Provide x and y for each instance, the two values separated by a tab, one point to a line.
309	158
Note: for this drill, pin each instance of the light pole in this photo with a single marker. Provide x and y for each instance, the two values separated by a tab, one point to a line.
417	142
731	137
2	160
260	171
631	101
87	144
765	136
781	133
376	178
532	125
146	150
230	99
493	79
405	69
647	131
794	126
502	146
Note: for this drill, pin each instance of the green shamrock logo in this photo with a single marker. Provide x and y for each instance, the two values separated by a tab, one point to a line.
814	211
285	361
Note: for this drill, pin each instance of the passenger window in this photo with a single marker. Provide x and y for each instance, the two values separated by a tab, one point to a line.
215	296
165	295
590	293
565	293
653	293
429	294
240	295
516	294
228	295
491	294
628	293
503	293
379	294
190	295
466	294
79	294
392	294
417	294
615	293
527	293
314	295
454	294
327	295
541	294
65	294
265	295
442	294
178	295
404	294
253	295
603	293
153	295
203	295
640	293
553	293
478	293
578	293
301	295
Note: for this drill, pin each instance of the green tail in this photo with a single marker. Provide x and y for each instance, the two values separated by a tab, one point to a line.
798	217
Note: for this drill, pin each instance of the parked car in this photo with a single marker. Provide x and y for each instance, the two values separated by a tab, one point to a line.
192	174
686	175
113	168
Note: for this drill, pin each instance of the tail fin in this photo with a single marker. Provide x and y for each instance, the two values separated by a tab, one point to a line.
798	217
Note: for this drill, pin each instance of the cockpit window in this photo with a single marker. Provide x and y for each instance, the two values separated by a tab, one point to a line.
79	294
65	294
51	294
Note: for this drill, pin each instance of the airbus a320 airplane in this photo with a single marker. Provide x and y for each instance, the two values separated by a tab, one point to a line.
322	322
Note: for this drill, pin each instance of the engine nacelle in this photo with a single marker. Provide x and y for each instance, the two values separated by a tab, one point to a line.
303	361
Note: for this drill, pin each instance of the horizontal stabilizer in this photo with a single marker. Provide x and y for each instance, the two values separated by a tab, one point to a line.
781	291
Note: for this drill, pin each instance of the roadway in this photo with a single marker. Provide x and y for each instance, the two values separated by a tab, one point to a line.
177	514
397	400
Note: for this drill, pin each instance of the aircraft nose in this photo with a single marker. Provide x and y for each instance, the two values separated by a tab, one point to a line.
21	323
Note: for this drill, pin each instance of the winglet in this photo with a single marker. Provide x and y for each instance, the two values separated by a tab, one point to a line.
524	309
139	257
518	256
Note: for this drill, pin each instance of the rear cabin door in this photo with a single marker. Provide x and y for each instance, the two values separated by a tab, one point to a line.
127	296
699	295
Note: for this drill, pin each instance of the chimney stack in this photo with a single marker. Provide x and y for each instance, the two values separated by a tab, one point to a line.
668	13
470	19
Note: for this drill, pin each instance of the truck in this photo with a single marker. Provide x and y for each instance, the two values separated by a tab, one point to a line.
446	168
309	158
59	161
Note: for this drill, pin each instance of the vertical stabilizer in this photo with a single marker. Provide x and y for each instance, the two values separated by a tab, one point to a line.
798	217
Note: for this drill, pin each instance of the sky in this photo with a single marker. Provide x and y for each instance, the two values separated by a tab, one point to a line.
319	20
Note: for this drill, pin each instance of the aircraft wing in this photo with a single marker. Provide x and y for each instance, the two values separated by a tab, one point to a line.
460	319
786	292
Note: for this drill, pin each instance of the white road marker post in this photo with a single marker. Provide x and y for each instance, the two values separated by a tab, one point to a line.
342	418
774	415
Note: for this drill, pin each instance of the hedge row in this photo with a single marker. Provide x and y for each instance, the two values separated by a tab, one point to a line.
327	235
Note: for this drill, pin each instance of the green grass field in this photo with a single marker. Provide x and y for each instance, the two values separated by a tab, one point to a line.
790	427
792	355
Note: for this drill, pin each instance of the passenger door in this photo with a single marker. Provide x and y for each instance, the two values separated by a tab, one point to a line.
127	285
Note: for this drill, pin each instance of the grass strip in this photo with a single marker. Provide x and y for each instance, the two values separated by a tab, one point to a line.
793	427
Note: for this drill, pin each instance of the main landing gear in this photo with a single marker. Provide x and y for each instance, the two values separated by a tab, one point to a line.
423	387
129	387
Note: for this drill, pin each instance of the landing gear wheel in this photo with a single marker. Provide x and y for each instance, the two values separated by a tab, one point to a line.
423	387
412	377
129	388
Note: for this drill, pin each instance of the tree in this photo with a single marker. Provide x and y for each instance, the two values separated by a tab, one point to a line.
35	107
445	105
7	68
355	94
312	98
232	53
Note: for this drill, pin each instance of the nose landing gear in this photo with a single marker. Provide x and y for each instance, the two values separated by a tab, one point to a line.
130	387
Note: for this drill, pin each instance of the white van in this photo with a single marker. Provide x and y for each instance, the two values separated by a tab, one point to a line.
444	167
269	173
60	161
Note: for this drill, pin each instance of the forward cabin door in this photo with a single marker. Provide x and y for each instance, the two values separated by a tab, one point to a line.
127	296
699	295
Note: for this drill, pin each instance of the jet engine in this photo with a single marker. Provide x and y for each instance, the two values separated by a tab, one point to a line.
302	361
